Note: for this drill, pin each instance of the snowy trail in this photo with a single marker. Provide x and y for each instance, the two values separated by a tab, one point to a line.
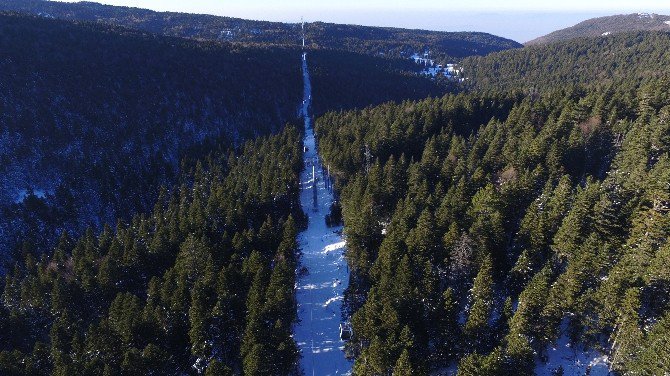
320	291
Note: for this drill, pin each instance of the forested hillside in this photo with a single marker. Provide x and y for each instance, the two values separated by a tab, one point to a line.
346	80
361	39
621	59
95	119
601	26
202	284
481	229
150	184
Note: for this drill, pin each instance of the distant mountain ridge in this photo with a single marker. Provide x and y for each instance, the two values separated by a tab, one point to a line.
362	39
603	26
621	59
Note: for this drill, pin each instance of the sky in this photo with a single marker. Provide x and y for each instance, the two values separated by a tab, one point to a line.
521	20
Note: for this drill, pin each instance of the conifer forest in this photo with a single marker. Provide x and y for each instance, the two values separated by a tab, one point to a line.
190	194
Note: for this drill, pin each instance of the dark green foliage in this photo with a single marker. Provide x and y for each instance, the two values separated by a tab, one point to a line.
477	330
108	114
345	80
403	366
480	227
334	217
621	60
170	292
100	117
485	227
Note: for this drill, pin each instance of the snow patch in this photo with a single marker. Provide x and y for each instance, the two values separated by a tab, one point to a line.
450	370
312	286
22	194
573	359
423	60
332	300
334	247
606	33
667	23
384	226
450	71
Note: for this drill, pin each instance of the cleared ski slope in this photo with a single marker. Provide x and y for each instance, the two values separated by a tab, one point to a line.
320	291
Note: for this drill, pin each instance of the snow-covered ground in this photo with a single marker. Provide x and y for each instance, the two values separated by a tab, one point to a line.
431	69
23	193
422	60
320	291
575	360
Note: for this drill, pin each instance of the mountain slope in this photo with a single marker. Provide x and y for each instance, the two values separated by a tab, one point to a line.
371	40
510	235
602	26
620	59
345	80
94	119
203	281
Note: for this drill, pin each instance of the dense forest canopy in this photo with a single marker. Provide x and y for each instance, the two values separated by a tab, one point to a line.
203	283
621	59
486	227
108	114
97	118
347	80
528	207
483	228
362	39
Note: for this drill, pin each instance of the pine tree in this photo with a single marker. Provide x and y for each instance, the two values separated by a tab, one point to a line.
288	246
198	318
520	355
256	331
487	225
528	320
477	329
125	315
652	358
480	365
423	241
578	223
606	216
628	338
449	330
216	368
403	366
255	361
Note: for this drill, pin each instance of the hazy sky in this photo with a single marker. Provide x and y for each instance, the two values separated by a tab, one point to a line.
521	20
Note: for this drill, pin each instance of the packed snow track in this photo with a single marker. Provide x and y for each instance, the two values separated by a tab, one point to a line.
321	288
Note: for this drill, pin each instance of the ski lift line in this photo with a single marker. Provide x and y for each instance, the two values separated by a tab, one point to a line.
302	20
321	338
